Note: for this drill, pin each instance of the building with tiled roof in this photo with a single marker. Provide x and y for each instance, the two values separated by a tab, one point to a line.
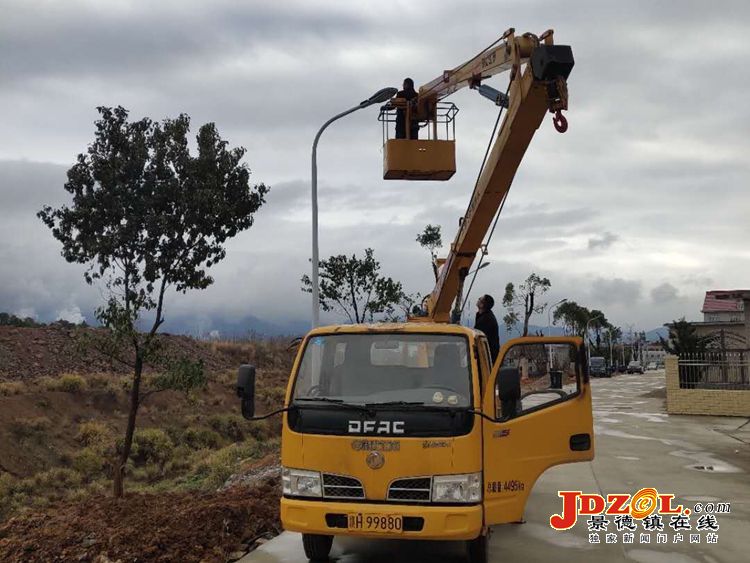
724	305
726	318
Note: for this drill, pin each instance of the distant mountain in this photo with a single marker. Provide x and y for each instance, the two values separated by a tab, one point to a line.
216	326
653	335
203	326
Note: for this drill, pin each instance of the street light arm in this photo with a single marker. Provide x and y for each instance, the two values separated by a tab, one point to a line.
380	96
315	257
325	126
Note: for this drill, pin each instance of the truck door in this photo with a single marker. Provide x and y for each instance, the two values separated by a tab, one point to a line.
540	398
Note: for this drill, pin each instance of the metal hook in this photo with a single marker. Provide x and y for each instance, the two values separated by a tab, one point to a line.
561	124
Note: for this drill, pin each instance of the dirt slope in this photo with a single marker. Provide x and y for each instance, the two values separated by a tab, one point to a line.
172	511
165	528
28	353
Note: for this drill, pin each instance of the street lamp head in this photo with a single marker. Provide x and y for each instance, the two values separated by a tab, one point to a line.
382	95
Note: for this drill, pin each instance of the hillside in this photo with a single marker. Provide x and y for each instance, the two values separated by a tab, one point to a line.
62	412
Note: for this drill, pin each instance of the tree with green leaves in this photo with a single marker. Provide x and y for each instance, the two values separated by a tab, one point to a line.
684	339
524	298
572	316
355	288
577	318
147	217
431	239
409	304
597	322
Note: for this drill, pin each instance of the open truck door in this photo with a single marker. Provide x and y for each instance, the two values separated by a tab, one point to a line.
540	397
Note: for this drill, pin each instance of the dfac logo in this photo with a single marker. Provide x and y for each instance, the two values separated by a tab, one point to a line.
640	505
376	427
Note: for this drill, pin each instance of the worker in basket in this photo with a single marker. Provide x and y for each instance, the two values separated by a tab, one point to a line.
409	94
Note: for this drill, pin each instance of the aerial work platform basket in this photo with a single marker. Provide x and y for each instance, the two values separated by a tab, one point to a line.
432	157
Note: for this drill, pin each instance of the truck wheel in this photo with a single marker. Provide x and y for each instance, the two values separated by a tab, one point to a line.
477	549
317	547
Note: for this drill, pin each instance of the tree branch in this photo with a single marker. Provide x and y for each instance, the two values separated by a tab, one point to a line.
159	319
343	308
354	297
146	394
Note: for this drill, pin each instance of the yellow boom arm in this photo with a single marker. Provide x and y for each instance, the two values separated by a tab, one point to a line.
493	60
539	88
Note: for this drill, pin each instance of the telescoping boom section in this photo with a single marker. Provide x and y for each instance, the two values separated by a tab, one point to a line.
539	71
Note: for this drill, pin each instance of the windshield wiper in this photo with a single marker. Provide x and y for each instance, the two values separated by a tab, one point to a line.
322	399
418	404
389	403
337	402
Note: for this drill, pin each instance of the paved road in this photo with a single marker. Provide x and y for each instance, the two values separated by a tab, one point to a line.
637	445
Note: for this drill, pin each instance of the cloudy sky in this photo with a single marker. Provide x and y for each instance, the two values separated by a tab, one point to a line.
637	210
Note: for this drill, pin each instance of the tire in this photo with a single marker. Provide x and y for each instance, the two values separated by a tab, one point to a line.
317	547
477	549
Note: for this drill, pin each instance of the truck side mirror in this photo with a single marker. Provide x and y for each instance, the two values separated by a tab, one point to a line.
246	389
509	391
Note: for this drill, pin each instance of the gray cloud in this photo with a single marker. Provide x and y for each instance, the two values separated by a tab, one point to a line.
664	292
611	291
651	161
603	242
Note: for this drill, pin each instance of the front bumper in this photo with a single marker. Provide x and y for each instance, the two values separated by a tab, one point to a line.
424	521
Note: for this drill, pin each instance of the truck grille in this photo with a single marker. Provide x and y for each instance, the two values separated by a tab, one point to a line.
340	486
415	489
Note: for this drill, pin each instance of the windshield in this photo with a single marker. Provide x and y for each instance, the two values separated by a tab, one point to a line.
596	361
424	369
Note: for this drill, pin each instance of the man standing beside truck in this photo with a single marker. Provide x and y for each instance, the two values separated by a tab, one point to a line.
487	323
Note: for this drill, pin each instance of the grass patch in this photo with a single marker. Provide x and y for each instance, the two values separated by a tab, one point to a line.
212	469
34	427
89	463
9	388
67	382
272	397
200	438
93	433
230	426
152	445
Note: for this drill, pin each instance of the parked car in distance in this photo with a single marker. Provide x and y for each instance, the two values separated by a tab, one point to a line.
598	367
635	367
651	366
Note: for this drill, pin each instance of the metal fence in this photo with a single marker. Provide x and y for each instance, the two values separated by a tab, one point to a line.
715	370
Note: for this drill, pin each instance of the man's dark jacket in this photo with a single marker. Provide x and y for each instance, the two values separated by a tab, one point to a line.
487	323
401	117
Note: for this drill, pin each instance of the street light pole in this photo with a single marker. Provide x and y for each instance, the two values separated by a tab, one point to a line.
549	329
378	97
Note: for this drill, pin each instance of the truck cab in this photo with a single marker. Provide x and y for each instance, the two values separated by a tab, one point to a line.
408	431
598	367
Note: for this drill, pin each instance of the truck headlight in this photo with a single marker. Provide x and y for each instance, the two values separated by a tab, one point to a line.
457	488
300	483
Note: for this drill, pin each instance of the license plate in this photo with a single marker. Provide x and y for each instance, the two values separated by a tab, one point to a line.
379	523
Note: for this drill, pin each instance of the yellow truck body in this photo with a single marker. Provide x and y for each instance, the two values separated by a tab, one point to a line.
358	470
